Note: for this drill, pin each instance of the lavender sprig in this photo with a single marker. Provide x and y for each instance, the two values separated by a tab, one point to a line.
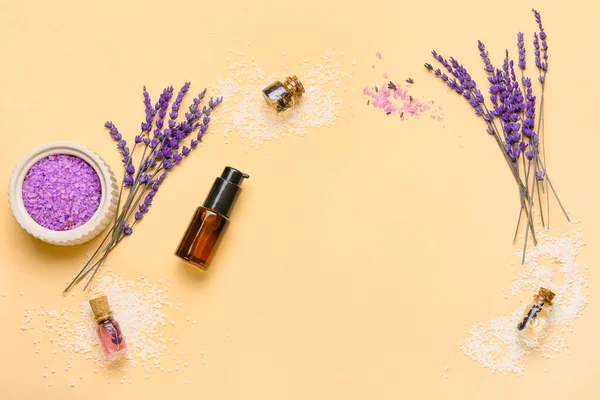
511	116
160	155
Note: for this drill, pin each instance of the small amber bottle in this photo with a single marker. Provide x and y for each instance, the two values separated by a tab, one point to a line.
209	221
535	317
281	96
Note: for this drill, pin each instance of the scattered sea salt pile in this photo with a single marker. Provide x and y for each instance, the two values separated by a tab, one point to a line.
249	116
140	308
551	264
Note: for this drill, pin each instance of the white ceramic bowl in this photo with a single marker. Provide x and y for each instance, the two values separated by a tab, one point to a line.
101	218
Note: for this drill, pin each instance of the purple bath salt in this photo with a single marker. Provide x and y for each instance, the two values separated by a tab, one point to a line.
61	192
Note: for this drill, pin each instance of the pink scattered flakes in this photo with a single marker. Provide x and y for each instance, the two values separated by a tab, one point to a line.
395	100
386	75
378	55
61	192
373	66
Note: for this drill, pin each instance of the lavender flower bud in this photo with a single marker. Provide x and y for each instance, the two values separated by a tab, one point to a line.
185	151
168	165
114	133
138	215
540	175
128	180
127	231
177	157
143	208
148	201
130	169
529	154
126	160
194	143
521	46
125	151
139	139
108	124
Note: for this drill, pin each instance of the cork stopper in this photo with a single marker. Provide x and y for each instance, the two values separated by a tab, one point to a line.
546	295
294	86
100	308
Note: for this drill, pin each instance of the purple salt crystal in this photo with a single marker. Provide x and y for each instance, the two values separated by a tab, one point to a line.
61	192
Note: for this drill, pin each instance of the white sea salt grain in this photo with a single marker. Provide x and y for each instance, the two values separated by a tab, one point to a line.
494	343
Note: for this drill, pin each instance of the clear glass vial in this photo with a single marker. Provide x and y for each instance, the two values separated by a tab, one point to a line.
109	332
282	96
535	317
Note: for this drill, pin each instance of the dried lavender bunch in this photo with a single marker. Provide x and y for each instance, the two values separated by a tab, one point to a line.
510	118
163	149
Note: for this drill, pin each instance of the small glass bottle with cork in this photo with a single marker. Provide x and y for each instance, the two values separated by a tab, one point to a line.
109	331
281	96
535	318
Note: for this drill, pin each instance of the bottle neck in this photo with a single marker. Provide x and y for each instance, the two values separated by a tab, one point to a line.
103	318
294	86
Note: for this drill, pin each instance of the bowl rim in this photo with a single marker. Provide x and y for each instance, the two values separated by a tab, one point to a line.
17	205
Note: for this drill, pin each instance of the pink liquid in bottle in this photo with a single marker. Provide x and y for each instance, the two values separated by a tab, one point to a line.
111	338
109	332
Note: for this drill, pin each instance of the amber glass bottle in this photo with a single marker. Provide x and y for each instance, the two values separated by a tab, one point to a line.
209	221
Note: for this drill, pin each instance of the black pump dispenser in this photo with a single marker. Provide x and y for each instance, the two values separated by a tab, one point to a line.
225	191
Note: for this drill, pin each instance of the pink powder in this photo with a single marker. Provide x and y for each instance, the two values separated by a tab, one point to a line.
397	101
61	192
378	55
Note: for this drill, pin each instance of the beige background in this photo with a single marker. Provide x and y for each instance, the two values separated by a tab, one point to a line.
357	253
